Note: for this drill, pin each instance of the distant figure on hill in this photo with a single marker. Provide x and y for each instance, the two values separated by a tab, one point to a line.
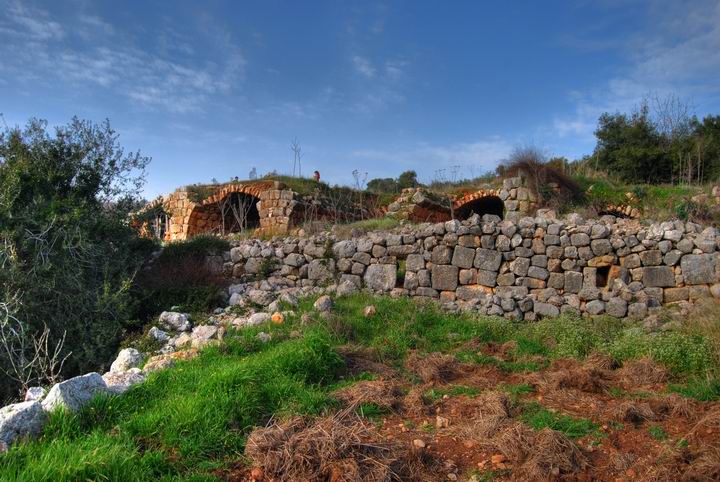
316	176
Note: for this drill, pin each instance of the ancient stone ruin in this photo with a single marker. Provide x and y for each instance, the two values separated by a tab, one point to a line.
190	211
270	207
522	268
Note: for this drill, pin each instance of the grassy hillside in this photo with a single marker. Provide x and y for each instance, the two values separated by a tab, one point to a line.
192	422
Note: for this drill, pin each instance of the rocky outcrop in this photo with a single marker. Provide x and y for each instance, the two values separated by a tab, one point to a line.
175	321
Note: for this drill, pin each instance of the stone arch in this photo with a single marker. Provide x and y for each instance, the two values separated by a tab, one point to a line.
232	209
160	224
484	204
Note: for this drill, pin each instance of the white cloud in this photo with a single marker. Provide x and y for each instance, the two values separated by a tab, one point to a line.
363	66
38	48
29	23
680	56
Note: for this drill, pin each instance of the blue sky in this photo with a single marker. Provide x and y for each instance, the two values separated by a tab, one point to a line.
211	89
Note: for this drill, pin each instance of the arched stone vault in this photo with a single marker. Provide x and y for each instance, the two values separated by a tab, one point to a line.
480	202
189	216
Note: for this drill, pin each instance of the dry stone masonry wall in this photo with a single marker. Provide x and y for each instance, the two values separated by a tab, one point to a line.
522	269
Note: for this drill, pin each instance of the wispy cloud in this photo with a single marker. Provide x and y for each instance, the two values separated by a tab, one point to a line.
381	84
30	24
681	55
473	158
35	46
363	66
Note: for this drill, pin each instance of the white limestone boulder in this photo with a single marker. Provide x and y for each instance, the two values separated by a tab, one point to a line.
127	358
175	321
120	382
25	419
74	393
35	394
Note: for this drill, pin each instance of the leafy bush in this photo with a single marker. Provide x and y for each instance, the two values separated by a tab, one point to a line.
67	252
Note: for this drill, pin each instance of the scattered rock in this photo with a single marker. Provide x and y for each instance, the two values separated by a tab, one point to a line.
120	382
323	304
203	335
418	443
442	422
74	393
175	321
24	419
158	334
369	311
127	358
264	337
278	318
258	319
161	362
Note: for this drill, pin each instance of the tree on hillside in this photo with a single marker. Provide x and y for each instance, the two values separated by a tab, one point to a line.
407	179
630	147
67	252
383	185
661	141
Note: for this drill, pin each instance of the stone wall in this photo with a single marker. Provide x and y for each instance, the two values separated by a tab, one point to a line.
421	205
523	269
277	211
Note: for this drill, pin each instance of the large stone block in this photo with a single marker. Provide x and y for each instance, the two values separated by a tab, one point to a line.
463	257
487	278
321	269
546	309
653	257
487	259
445	277
473	292
381	277
415	262
441	254
658	276
698	269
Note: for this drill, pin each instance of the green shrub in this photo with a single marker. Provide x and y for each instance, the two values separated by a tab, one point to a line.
66	250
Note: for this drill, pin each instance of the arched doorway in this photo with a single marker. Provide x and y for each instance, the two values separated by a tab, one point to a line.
481	206
238	212
234	213
159	224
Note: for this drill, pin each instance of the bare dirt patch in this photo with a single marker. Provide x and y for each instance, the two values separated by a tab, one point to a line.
446	420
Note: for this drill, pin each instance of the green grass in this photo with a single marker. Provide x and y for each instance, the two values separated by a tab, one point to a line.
371	411
517	390
538	417
184	423
702	389
657	432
